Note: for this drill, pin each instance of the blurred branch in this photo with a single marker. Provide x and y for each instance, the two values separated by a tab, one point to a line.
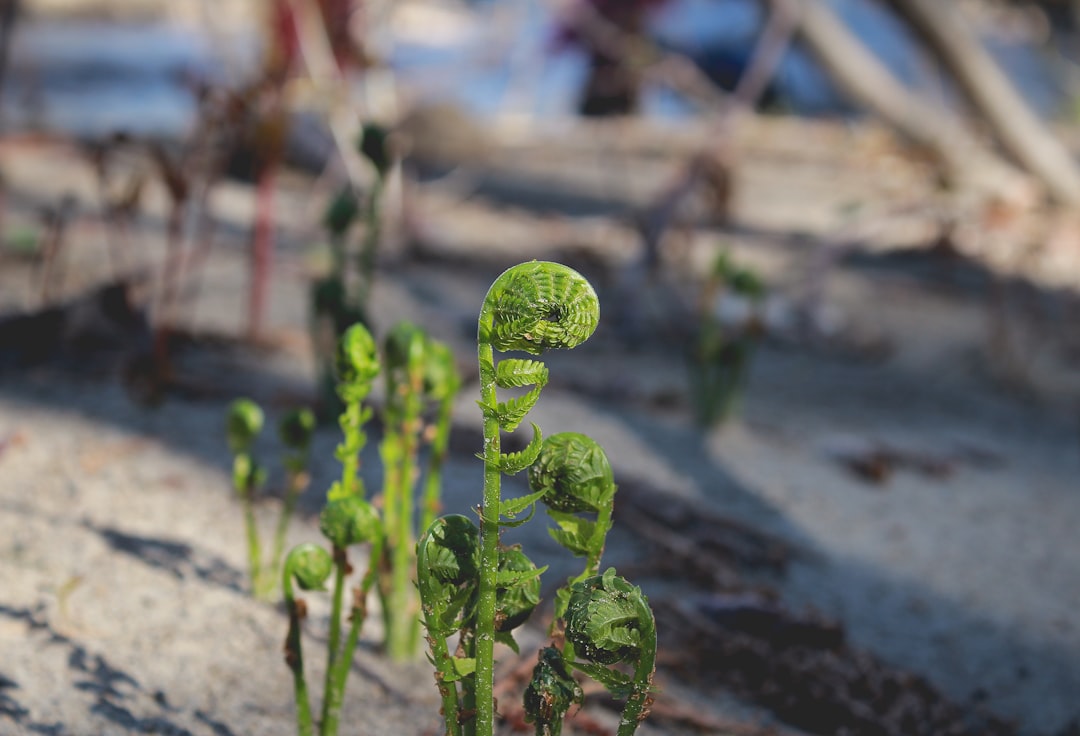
713	164
329	83
870	84
1015	125
640	54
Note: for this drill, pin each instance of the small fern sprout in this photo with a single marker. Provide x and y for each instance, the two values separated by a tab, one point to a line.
447	567
404	354
310	565
295	431
347	521
374	145
350	520
340	214
530	308
442	382
575	477
608	621
243	423
357	365
517	594
718	358
551	693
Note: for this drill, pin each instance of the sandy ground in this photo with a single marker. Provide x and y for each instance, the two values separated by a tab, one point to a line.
124	609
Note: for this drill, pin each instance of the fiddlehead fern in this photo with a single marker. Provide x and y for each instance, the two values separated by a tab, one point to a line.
448	561
405	353
551	693
347	521
357	365
295	432
609	621
347	518
442	382
530	308
574	475
310	565
243	423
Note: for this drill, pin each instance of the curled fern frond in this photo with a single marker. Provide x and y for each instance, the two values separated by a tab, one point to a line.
404	341
518	589
551	693
243	423
541	305
442	380
603	619
357	363
296	429
608	621
450	549
575	472
349	520
530	308
309	564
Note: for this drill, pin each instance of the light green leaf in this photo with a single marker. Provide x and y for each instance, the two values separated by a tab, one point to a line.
515	462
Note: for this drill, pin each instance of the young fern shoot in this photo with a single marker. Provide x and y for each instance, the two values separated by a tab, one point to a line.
310	565
574	475
348	519
405	360
608	621
530	308
474	588
295	431
243	423
447	569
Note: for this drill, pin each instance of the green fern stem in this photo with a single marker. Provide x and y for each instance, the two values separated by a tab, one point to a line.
636	708
295	485
352	421
338	668
333	637
390	454
310	565
403	637
440	445
295	660
245	476
489	535
372	235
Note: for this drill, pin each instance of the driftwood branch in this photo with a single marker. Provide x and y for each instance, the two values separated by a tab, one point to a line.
871	85
1020	132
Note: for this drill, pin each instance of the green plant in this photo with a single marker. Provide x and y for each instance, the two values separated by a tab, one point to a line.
590	628
346	520
473	587
574	475
341	298
419	371
720	353
244	422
